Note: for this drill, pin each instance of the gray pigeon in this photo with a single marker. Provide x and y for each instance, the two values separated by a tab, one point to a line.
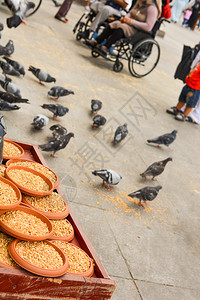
8	49
108	176
96	105
120	133
156	168
41	75
147	193
16	65
98	121
11	98
8	69
57	143
11	88
19	9
56	109
58	91
165	139
40	121
5	106
58	130
4	77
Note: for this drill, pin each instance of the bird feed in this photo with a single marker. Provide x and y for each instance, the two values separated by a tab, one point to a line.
10	150
7	194
5	258
2	170
61	227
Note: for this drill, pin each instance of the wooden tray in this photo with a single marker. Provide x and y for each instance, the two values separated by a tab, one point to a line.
20	284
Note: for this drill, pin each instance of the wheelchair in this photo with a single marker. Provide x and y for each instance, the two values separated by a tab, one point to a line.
141	50
83	23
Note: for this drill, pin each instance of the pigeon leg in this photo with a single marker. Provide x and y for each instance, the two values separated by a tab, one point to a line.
170	149
109	187
40	82
55	118
55	99
104	182
158	146
24	22
94	126
154	179
52	155
141	204
94	112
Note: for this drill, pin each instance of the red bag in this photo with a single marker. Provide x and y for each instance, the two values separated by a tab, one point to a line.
166	11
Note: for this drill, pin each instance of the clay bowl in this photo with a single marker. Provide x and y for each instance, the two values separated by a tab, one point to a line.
66	238
87	273
49	215
10	161
26	237
2	265
18	146
29	191
18	193
34	269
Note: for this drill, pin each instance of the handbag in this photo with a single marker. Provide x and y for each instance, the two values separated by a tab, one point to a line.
139	14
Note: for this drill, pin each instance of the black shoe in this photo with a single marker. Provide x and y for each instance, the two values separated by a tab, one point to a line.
92	43
85	34
56	3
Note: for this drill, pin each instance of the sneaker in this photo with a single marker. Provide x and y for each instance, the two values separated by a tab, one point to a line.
84	34
103	49
172	111
180	117
91	42
114	52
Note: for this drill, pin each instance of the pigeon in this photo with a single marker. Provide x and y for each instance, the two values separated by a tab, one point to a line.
165	139
58	91
1	26
96	105
40	121
98	121
58	130
16	65
8	69
3	77
9	48
11	88
41	75
147	193
19	9
56	3
57	143
156	168
108	176
120	133
11	98
5	106
56	109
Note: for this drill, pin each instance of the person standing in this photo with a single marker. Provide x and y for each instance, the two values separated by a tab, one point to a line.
62	12
194	15
177	9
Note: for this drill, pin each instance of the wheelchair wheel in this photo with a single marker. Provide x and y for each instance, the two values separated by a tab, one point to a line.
95	54
118	66
144	58
78	37
37	6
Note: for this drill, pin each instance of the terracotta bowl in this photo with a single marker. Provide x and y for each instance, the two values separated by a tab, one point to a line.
49	215
23	188
26	237
18	193
18	146
66	238
34	269
10	161
89	272
2	265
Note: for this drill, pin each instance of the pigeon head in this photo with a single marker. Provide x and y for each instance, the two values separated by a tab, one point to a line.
14	21
53	79
50	93
159	187
71	134
22	71
7	79
174	132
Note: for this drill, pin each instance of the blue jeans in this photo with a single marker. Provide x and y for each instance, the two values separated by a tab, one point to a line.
189	96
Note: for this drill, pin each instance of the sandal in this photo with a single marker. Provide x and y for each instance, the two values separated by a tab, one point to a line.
180	117
189	119
172	111
61	19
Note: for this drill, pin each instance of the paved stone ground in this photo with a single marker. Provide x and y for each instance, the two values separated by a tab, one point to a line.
151	253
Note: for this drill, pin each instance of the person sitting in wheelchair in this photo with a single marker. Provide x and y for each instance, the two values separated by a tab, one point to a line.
111	7
142	16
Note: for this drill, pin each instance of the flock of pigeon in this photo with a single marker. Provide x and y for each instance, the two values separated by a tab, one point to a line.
61	137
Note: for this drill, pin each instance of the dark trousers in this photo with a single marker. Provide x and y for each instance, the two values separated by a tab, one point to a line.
64	8
110	35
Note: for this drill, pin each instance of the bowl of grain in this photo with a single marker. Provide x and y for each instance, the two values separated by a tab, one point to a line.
62	230
25	224
2	170
35	166
5	259
12	150
80	263
31	182
52	206
10	195
41	258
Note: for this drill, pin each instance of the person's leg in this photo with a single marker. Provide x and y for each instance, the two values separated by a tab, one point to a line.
64	9
104	35
102	16
182	97
117	35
